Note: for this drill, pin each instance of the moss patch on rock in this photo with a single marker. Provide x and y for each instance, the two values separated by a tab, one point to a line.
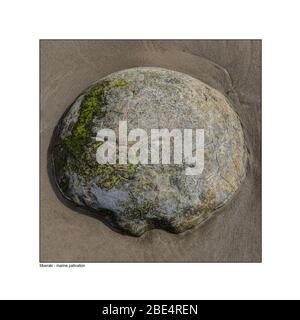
77	151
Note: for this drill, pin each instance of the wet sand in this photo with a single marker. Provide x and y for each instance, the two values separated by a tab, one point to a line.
234	234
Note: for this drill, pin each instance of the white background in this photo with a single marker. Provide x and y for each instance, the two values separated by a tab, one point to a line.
23	23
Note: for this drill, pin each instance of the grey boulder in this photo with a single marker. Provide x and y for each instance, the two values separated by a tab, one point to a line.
134	198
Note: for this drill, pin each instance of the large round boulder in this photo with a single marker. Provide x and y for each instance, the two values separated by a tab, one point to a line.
134	198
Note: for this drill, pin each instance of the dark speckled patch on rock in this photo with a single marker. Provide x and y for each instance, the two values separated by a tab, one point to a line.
137	198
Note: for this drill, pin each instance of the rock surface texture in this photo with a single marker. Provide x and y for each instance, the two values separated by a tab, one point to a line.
136	198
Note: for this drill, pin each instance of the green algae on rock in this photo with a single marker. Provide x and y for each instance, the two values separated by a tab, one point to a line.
136	198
